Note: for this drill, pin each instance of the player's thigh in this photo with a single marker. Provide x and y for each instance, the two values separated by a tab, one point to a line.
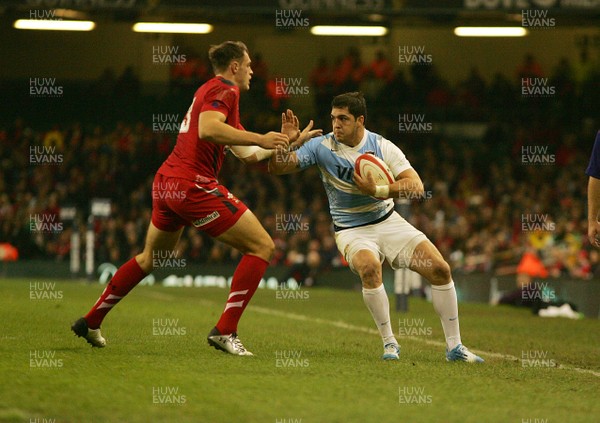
353	241
157	241
249	237
368	266
398	240
429	263
168	195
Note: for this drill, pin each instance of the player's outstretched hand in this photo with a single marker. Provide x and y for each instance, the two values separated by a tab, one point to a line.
272	140
366	185
594	233
306	134
290	125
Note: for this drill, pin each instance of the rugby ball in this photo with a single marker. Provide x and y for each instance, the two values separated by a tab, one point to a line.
380	171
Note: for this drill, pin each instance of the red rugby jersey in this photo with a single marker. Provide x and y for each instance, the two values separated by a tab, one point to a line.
195	158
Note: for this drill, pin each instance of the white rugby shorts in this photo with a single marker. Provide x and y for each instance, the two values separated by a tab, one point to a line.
393	239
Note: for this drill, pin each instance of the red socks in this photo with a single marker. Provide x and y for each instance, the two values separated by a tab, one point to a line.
124	280
246	278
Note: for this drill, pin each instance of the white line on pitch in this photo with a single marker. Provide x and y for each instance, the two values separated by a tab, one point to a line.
343	325
348	326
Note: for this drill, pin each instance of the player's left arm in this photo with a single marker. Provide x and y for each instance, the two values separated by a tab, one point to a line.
249	154
408	183
593	211
593	191
290	126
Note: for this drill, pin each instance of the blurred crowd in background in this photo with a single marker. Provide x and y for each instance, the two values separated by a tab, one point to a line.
487	203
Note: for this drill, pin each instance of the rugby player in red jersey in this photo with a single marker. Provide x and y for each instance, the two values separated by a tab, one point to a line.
186	192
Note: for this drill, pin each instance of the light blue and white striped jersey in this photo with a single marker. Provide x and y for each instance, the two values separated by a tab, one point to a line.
348	206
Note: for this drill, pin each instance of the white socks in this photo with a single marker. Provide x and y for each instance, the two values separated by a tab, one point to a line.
446	306
377	302
444	303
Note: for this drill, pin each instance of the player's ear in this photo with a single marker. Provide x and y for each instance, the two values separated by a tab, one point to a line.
361	120
234	66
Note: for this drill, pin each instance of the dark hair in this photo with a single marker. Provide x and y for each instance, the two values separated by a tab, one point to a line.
221	55
355	102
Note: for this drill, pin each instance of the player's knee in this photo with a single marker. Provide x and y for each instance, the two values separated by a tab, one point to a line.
370	274
441	273
144	260
269	248
264	248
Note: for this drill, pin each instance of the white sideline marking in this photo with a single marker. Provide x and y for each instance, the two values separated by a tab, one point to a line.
343	325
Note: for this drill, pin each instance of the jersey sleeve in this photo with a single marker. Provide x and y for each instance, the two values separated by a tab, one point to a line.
593	168
307	154
219	99
394	157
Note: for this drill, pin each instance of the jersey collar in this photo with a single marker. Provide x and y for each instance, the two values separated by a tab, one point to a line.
358	146
362	142
225	81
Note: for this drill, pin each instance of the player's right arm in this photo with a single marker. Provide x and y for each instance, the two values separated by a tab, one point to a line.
593	211
285	160
212	127
290	126
593	191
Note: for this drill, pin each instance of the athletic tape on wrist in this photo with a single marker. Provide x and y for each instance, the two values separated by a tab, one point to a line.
382	191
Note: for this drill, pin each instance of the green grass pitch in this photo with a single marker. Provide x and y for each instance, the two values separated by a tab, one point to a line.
317	359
